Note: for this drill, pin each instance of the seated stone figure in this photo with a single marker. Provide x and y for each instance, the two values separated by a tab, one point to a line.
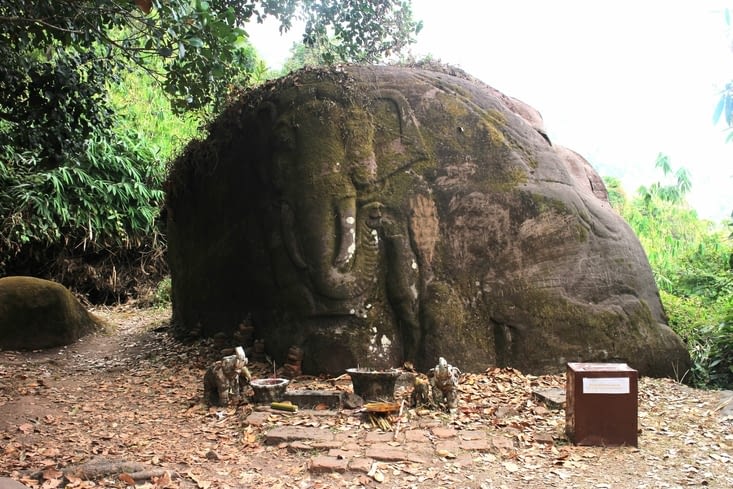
222	379
444	383
420	396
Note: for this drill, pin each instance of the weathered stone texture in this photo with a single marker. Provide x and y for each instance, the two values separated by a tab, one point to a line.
37	314
372	215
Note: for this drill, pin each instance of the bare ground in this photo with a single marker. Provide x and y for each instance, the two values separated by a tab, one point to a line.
130	401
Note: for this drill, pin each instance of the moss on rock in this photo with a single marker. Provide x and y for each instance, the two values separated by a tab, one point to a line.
373	215
36	314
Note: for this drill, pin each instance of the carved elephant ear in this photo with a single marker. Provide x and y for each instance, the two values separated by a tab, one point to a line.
398	143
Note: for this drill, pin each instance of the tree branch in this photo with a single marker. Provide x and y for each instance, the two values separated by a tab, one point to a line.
38	21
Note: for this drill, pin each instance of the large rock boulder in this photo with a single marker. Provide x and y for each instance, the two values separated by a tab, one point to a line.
372	215
37	313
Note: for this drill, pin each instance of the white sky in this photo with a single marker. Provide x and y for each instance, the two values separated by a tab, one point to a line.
617	81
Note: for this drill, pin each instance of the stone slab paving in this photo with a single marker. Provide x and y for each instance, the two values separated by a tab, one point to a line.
358	451
401	453
419	436
285	434
554	398
310	399
327	463
480	445
360	464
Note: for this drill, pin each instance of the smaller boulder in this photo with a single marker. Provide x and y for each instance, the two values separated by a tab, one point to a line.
37	314
8	483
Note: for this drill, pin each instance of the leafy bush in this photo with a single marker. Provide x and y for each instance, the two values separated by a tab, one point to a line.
163	293
691	261
86	129
712	355
707	329
144	112
97	208
107	198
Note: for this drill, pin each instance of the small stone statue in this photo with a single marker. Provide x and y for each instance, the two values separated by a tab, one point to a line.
244	335
293	363
420	393
220	340
222	378
258	351
444	383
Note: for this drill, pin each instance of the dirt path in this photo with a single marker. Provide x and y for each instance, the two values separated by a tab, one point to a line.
136	396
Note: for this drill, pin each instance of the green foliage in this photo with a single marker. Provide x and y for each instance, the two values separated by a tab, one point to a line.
724	109
359	30
714	348
674	191
616	195
669	230
713	355
302	56
690	259
107	198
707	328
52	47
163	294
144	111
49	102
85	130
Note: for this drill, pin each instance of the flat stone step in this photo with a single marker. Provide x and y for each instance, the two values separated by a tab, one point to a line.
312	399
554	398
386	453
287	434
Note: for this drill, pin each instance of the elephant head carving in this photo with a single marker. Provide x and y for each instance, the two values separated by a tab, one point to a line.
330	164
377	214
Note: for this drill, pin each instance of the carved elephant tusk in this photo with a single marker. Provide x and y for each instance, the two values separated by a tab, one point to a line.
346	217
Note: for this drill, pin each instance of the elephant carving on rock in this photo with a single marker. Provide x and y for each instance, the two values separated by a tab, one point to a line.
341	231
323	220
376	215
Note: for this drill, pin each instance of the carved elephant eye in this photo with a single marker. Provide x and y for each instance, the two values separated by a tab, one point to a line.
284	137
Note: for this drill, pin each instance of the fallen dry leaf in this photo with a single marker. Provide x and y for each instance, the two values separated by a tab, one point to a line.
445	453
163	481
127	479
49	474
144	403
201	482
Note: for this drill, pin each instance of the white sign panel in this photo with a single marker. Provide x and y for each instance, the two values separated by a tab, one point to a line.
606	385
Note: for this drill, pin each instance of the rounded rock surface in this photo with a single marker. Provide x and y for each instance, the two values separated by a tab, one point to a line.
376	215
